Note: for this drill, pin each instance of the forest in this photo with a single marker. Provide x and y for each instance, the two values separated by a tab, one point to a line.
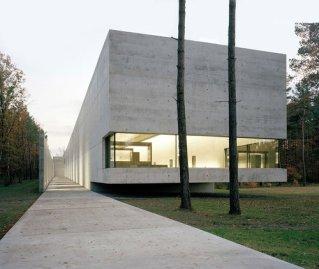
19	131
300	152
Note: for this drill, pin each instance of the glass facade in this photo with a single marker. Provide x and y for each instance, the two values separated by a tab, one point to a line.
157	150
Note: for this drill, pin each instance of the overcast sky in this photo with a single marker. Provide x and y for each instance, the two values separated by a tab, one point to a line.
57	43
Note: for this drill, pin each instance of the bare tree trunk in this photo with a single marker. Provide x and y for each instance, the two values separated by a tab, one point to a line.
30	170
303	149
233	158
181	119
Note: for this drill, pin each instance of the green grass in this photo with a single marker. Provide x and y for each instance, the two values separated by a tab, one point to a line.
14	201
280	221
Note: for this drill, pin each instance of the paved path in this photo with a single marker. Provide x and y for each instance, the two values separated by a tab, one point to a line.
70	227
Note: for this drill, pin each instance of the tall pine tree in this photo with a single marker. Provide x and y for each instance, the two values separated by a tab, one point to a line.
181	118
234	207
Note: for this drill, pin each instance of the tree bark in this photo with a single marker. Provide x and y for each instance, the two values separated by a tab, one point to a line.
303	149
181	118
233	155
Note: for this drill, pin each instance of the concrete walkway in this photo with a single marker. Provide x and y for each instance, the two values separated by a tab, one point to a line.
70	227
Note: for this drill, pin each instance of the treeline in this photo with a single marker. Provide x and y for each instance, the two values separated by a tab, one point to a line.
300	152
18	130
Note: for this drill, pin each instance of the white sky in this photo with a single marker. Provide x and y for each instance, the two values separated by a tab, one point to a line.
57	43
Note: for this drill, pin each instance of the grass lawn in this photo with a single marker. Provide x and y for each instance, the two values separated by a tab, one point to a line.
280	221
14	201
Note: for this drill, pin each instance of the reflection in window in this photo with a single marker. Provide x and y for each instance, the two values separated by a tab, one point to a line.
157	150
109	151
256	153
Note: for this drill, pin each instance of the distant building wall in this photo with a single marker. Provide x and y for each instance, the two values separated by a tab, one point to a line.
46	165
58	166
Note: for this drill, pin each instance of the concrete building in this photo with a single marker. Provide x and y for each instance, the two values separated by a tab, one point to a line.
126	130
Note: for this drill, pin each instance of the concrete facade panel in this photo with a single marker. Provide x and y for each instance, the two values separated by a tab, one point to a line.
197	175
84	151
143	88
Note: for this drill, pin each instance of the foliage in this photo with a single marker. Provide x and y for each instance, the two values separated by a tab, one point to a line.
18	130
293	174
280	221
305	66
302	146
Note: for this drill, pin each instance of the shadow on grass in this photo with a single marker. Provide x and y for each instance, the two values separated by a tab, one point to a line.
141	191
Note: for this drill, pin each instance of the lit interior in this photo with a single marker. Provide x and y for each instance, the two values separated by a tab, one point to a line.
157	150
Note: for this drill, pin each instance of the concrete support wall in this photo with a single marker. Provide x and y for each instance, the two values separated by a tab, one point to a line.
46	165
196	175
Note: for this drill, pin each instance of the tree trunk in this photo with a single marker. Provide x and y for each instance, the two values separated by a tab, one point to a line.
303	149
233	158
30	163
181	119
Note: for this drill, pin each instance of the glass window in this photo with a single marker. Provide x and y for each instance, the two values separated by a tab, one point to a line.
158	150
144	150
107	144
109	151
206	151
256	153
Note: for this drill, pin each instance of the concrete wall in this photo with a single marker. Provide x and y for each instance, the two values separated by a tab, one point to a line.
83	156
46	165
58	166
133	89
143	88
196	175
